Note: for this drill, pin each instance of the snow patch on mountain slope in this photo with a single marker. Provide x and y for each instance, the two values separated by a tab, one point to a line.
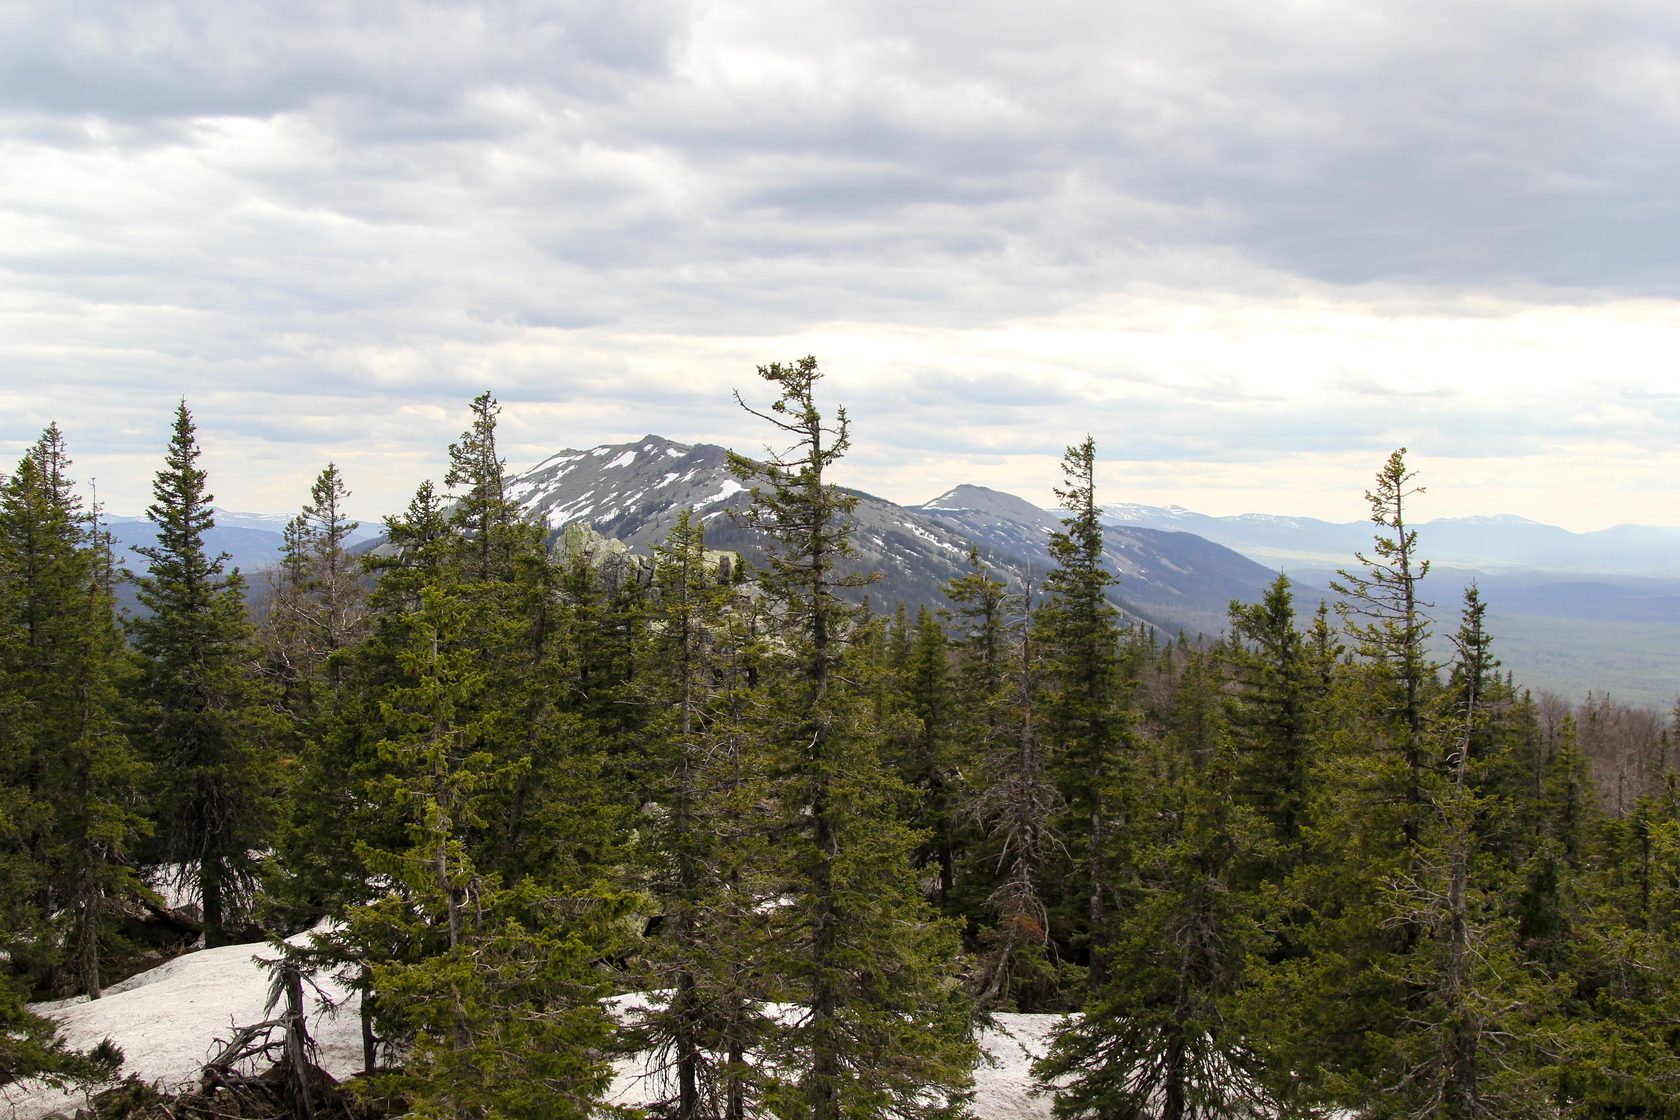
931	539
730	486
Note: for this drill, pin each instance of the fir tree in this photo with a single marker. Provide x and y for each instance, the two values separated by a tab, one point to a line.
1159	1037
1079	633
1273	719
1385	613
1010	795
204	721
317	609
475	889
492	980
931	764
708	834
871	964
74	776
482	514
1346	982
1473	1043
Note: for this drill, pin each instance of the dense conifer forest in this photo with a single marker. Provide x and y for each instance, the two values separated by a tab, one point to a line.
1293	870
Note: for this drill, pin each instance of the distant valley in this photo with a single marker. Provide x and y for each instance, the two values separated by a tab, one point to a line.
1489	544
1569	611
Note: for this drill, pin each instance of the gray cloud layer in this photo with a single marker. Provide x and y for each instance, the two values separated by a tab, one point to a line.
290	211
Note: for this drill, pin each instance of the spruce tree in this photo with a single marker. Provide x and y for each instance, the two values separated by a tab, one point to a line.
335	820
1475	1041
1079	633
203	718
1009	794
1346	983
707	833
1387	615
74	776
1160	1036
317	608
476	895
1273	718
869	964
931	764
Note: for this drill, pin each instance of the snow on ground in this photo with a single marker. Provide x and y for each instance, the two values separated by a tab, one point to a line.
1002	1083
167	1022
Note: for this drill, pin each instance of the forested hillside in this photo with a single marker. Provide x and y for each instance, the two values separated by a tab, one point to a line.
1293	871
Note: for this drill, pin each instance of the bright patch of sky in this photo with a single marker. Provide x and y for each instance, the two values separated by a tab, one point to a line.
1249	248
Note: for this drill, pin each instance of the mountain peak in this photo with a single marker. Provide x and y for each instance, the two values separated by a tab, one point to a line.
981	499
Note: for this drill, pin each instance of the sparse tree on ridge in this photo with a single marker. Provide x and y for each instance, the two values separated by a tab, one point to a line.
868	962
1079	634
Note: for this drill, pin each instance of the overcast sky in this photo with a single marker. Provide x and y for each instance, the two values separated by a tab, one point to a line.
1250	248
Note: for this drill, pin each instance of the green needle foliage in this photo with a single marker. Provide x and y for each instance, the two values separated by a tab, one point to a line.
1079	634
205	720
559	803
72	776
879	1026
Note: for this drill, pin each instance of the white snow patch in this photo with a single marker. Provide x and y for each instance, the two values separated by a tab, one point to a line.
943	502
167	1022
666	481
674	452
623	460
574	510
559	458
1003	1081
730	486
931	539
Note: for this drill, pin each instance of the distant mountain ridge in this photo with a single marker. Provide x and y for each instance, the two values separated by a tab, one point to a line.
1487	542
633	493
1569	628
1176	578
253	541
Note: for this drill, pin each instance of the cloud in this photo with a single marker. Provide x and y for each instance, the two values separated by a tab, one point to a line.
1214	234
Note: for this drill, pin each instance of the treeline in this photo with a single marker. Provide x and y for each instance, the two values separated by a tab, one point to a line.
507	778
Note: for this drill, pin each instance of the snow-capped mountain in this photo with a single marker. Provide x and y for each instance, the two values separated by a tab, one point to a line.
633	492
630	492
